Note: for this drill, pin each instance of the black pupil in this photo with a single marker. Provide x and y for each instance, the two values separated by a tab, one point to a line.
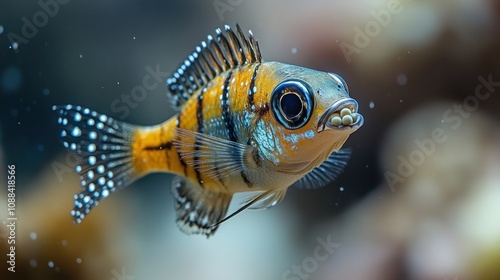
291	104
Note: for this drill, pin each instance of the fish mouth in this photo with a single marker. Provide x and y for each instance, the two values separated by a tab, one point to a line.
342	115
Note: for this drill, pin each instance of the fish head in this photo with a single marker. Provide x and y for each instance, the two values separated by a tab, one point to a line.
313	116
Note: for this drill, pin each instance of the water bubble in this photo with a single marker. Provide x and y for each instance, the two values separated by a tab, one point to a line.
81	55
294	50
51	264
372	105
133	37
33	235
117	83
14	46
11	79
402	79
341	189
45	91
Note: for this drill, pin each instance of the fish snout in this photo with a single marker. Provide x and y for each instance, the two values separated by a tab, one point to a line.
342	115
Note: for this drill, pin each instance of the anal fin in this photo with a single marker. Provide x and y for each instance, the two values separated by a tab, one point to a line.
197	209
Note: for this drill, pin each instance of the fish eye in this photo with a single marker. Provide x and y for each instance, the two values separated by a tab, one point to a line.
292	103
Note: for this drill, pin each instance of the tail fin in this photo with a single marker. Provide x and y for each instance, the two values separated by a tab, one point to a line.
102	146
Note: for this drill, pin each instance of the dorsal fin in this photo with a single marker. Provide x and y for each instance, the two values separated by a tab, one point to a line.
229	49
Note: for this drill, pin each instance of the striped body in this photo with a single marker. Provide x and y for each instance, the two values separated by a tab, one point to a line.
229	107
243	125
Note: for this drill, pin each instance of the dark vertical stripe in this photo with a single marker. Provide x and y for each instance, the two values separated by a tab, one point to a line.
251	105
252	85
199	118
229	122
178	138
167	160
226	112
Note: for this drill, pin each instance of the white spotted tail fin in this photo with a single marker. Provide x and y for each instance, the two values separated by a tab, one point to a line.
103	148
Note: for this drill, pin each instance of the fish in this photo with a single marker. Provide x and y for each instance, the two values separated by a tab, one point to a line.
242	125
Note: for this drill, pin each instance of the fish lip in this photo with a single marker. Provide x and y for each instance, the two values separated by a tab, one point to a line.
325	124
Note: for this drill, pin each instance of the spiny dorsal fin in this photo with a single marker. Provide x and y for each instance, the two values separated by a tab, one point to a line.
229	49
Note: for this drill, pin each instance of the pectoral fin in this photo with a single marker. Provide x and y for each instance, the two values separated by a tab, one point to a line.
327	172
213	156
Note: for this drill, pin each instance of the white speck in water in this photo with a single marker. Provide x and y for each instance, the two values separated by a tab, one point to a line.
46	91
372	105
51	264
402	79
1	29
14	46
78	261
33	235
117	83
294	50
400	100
81	55
341	189
33	263
133	37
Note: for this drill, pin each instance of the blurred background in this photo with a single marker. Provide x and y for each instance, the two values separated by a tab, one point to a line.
418	200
